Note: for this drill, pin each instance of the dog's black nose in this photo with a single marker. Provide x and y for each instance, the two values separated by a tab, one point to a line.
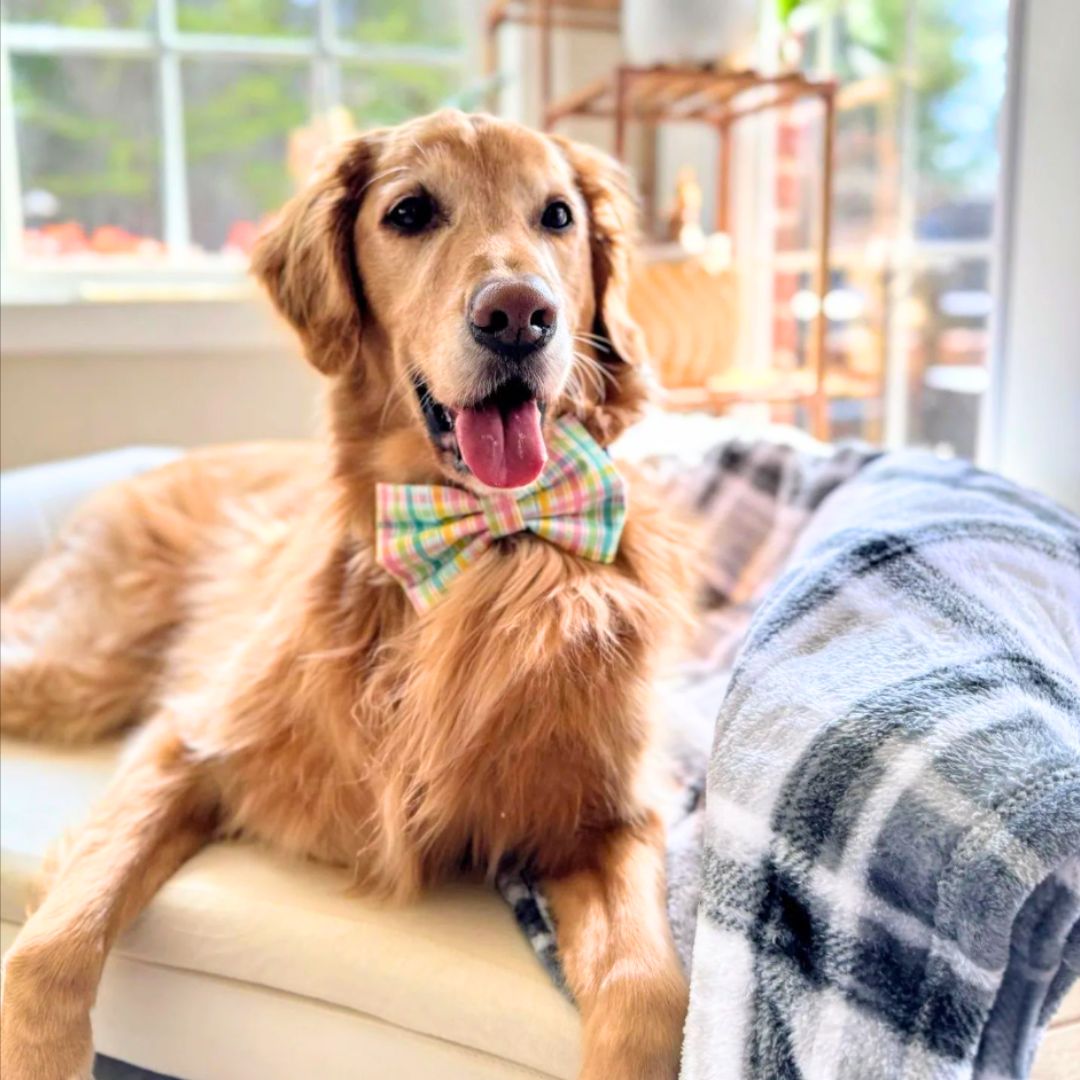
513	316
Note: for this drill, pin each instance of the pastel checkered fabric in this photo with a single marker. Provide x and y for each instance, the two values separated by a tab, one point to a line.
426	534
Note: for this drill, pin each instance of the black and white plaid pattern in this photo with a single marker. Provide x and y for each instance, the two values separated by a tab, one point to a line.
891	867
889	874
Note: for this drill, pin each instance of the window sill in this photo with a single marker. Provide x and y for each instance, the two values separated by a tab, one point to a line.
139	322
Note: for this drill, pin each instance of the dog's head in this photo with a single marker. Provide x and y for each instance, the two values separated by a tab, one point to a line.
466	275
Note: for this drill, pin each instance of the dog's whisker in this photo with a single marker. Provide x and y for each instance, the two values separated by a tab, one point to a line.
399	389
582	368
574	391
587	379
596	339
596	372
590	344
598	366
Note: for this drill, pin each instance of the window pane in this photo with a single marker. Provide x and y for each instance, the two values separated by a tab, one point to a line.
798	177
867	55
854	343
920	91
389	93
410	22
240	119
93	14
266	17
948	342
960	81
864	180
87	137
865	191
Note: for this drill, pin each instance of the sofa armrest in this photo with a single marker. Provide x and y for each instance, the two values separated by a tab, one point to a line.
36	501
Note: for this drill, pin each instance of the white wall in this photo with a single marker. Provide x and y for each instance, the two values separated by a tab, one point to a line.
54	407
1033	433
72	382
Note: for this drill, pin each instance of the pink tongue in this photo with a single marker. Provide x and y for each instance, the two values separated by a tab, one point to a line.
504	450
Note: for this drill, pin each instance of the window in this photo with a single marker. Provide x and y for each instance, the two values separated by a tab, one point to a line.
921	85
145	141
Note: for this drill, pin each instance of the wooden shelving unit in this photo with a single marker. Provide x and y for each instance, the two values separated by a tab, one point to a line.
702	94
787	388
720	98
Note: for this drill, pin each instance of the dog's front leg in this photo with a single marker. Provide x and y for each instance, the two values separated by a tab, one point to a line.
156	815
620	960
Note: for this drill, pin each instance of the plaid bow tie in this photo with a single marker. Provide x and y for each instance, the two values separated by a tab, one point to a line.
426	534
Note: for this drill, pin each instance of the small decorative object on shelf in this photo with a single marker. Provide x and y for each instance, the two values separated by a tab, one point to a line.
791	45
684	217
309	143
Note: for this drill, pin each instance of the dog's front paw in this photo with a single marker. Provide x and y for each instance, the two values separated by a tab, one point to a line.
634	1032
44	1024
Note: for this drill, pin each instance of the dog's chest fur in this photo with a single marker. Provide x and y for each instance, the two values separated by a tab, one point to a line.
509	720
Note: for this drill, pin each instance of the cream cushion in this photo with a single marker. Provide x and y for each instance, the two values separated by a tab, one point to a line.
35	501
251	965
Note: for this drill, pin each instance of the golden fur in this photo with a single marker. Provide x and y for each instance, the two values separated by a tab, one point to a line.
288	690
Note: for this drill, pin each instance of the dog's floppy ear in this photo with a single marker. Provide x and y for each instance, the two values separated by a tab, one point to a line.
307	258
613	236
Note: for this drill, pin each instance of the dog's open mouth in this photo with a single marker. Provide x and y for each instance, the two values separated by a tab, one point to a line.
499	439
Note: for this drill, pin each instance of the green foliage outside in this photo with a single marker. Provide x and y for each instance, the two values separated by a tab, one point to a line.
872	35
85	14
88	127
87	138
787	8
878	28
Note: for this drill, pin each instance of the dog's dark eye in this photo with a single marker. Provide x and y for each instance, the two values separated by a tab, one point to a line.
557	216
412	215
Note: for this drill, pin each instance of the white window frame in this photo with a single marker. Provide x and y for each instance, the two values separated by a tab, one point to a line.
177	277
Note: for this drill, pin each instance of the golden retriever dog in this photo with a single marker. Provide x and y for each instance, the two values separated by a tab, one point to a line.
460	281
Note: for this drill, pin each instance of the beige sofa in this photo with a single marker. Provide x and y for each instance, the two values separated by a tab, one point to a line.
251	966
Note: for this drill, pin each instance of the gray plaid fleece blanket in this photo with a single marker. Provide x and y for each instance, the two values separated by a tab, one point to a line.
885	867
